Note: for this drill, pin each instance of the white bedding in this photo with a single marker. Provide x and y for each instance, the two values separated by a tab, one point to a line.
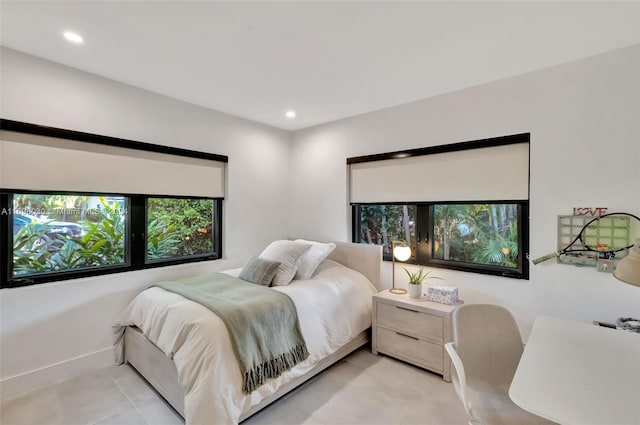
333	307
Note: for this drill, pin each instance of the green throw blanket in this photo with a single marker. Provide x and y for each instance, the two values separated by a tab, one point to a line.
263	323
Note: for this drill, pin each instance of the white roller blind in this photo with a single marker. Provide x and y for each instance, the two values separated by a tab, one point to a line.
34	162
484	174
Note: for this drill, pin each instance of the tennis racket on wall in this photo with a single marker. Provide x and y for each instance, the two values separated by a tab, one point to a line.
607	234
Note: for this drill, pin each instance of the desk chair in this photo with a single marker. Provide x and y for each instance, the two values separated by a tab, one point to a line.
485	352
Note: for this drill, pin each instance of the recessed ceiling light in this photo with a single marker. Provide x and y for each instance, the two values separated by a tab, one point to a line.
73	37
402	155
290	114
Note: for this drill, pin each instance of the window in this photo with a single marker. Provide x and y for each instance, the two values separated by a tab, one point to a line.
58	233
462	206
382	224
485	238
179	228
63	236
75	204
477	235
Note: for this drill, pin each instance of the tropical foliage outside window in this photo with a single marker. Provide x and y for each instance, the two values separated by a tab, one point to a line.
382	224
54	233
476	233
55	236
179	227
482	237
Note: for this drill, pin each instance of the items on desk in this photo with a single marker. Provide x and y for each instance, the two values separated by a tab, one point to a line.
628	324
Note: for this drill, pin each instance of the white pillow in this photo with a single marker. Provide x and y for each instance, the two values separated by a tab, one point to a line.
311	259
288	254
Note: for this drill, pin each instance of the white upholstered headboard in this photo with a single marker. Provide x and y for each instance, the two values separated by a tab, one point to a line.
366	259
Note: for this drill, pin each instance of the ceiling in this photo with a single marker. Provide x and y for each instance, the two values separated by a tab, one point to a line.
325	60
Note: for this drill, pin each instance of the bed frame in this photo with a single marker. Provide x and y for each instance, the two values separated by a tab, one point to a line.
161	372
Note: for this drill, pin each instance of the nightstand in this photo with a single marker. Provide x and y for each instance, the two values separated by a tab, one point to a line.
413	330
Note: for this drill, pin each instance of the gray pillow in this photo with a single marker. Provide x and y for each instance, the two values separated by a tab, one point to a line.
259	271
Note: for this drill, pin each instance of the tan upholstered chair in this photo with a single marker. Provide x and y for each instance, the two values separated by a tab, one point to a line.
485	354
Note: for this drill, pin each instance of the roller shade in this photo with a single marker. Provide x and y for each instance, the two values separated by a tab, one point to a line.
483	174
33	162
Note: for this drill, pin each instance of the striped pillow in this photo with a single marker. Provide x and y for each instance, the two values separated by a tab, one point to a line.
259	271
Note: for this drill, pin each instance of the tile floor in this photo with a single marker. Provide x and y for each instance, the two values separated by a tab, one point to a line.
361	389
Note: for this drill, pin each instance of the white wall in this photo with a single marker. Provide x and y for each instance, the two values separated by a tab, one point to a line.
584	120
51	331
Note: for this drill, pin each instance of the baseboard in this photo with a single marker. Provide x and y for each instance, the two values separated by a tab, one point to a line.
28	381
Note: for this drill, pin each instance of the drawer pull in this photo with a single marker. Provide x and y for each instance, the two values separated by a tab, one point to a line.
407	336
407	309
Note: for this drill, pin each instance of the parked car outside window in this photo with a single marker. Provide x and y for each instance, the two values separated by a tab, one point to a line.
62	228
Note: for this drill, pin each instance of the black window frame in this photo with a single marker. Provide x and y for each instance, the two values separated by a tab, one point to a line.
424	241
424	222
136	212
216	216
135	240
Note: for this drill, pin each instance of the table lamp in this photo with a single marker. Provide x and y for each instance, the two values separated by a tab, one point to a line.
401	252
628	269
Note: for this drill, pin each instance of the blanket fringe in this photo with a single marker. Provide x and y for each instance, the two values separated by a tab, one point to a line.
254	378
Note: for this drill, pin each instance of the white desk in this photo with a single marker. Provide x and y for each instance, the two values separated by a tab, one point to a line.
578	373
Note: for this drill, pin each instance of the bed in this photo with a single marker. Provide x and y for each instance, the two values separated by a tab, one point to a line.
210	393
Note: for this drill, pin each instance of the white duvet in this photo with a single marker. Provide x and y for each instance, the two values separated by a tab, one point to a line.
333	307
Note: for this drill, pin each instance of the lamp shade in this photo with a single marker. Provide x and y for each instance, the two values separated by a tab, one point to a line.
402	252
628	269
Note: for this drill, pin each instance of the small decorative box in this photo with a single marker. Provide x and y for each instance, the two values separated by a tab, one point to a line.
442	294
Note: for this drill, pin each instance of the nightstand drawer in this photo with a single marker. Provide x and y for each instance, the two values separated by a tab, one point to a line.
410	349
410	321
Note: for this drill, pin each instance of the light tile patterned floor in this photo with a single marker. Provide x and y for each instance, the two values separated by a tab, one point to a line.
361	389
